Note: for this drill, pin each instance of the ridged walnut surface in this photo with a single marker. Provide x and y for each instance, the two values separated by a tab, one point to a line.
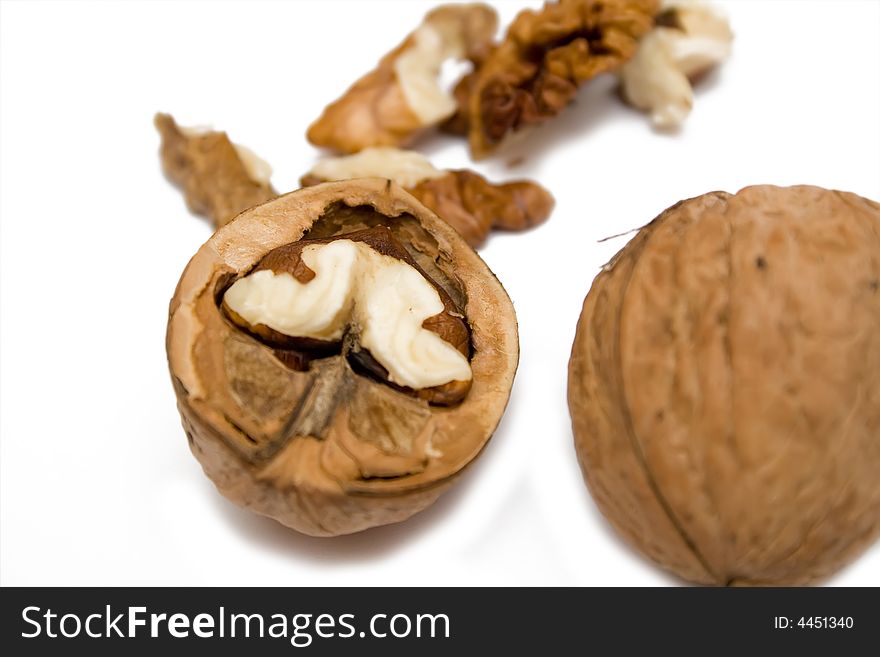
724	386
331	451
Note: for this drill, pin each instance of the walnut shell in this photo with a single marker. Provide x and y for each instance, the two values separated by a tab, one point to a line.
331	450
724	386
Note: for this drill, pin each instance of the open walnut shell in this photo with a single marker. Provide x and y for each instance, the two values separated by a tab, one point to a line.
315	435
545	56
401	97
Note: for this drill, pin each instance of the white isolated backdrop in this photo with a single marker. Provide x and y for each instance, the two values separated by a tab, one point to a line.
97	486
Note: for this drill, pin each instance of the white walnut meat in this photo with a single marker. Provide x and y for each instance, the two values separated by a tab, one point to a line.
402	96
311	424
463	198
689	39
365	287
724	386
219	178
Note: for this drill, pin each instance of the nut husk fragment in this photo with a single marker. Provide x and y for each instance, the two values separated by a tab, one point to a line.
545	56
329	450
724	386
401	97
463	198
219	178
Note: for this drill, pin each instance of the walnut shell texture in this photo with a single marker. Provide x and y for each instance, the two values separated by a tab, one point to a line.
724	386
331	450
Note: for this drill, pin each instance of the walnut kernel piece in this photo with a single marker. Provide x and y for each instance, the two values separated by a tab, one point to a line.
724	386
219	178
312	431
325	289
474	206
545	56
401	97
406	168
257	168
464	199
690	38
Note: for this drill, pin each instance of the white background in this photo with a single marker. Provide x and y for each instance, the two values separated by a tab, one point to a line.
98	486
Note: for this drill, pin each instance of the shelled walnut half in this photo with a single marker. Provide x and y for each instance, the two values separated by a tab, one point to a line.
402	96
463	198
339	356
534	73
219	178
689	39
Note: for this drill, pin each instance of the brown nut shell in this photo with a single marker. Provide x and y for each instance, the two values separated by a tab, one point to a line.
724	386
328	450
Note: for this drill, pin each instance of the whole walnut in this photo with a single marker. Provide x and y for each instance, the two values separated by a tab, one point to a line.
724	386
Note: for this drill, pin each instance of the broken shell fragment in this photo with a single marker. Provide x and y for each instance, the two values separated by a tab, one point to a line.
219	178
339	356
724	386
402	96
463	198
